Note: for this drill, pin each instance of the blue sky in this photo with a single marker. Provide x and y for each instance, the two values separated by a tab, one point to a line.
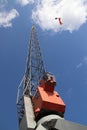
64	50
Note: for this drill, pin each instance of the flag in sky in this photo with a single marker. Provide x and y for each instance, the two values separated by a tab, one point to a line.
64	50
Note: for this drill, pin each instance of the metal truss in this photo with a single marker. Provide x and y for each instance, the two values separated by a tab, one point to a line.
33	73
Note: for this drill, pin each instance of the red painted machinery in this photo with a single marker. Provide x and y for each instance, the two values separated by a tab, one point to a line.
46	100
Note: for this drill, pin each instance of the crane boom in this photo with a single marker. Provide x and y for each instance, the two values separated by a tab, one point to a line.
34	70
35	65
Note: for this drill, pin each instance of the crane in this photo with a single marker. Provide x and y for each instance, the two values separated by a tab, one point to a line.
39	106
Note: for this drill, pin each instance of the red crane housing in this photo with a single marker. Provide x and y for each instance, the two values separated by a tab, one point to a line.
46	99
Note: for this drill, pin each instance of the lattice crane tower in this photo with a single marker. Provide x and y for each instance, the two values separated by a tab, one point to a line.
39	106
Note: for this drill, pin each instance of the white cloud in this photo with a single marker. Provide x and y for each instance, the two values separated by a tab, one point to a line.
72	12
7	17
25	2
79	65
83	62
